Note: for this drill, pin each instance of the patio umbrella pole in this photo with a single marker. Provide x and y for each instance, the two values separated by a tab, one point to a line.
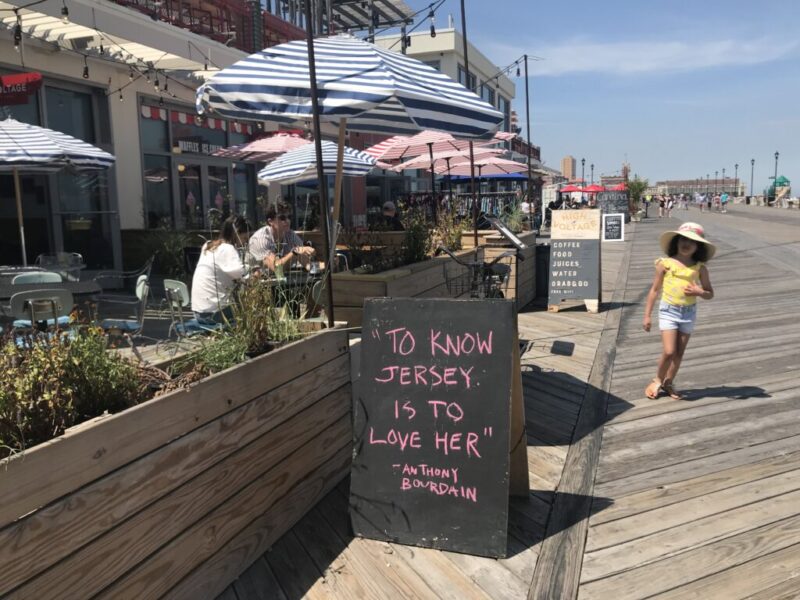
471	145
337	194
528	136
433	185
18	194
323	188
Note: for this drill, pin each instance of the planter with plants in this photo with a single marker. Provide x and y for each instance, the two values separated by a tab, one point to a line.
412	271
169	484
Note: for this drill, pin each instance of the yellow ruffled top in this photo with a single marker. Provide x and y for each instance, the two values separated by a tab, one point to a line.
676	278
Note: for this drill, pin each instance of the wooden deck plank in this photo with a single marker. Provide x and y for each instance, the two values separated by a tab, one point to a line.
257	583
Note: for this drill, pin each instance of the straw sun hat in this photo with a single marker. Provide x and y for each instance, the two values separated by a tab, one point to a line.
692	231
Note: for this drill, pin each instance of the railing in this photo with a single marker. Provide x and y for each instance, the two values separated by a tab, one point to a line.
234	23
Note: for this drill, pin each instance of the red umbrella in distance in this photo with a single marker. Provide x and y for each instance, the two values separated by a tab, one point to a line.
620	187
594	188
570	188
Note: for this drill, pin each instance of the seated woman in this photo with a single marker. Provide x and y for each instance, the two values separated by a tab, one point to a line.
217	271
275	245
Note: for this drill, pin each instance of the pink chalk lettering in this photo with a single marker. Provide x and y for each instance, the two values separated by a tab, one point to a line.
449	376
465	375
456	345
409	470
447	442
405	376
440	488
405	484
452	410
410	411
485	346
406	344
419	375
391	374
472	444
410	439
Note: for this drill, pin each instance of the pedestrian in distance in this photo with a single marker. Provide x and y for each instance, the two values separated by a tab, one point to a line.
670	206
662	203
682	277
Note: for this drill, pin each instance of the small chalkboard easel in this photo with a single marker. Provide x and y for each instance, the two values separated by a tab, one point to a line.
575	261
439	424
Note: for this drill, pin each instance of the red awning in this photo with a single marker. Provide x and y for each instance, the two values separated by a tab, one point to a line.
15	89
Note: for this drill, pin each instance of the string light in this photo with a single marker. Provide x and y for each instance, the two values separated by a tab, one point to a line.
85	69
130	73
121	98
64	12
517	69
156	85
17	32
102	50
166	85
432	17
161	100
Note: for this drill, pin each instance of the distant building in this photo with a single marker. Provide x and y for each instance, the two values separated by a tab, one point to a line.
733	186
568	167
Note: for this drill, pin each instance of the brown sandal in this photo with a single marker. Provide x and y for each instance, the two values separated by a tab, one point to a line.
670	390
653	389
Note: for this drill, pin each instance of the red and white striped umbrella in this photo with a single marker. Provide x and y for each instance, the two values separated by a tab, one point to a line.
378	150
491	165
454	156
421	143
264	149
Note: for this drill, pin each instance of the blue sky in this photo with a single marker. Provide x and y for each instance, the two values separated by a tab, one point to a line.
682	88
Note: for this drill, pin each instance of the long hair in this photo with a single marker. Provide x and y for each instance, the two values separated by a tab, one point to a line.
229	233
700	255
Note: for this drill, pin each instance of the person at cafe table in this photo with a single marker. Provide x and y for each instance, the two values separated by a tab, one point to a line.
276	245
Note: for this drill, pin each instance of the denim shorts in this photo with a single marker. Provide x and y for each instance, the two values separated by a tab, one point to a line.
681	318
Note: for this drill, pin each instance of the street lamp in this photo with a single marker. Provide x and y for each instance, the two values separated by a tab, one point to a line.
723	180
591	166
736	179
707	178
583	165
775	179
716	178
752	168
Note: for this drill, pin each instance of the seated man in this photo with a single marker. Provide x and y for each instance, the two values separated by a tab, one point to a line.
276	244
390	219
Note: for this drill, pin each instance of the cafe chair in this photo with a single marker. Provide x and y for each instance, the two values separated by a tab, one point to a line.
37	277
130	328
114	283
178	300
41	308
66	264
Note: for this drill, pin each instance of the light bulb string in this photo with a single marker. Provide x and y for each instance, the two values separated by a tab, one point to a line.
431	8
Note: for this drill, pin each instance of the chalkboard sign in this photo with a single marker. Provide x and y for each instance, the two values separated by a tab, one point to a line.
614	202
614	228
431	424
574	257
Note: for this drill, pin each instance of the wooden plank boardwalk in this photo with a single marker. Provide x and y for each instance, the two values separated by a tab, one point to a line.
704	493
319	558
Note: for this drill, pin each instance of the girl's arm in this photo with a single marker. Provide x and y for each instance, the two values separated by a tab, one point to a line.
652	295
704	290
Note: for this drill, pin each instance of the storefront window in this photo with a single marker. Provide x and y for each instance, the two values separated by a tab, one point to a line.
197	136
190	195
158	192
155	135
70	112
243	198
219	193
504	106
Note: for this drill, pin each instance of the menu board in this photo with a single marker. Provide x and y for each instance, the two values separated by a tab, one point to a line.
574	256
614	228
614	202
431	424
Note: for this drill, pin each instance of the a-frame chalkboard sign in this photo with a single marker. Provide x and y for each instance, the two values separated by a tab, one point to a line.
439	424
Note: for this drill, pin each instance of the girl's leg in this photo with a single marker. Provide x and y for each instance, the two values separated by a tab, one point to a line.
683	341
669	341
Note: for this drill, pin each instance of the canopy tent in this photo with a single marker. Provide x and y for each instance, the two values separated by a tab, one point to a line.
34	149
300	164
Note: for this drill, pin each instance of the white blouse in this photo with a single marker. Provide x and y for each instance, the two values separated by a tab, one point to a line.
214	278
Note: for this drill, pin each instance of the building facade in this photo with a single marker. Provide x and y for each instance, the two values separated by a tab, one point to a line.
734	187
122	75
568	167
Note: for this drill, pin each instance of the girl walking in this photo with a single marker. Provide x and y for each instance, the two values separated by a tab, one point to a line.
682	277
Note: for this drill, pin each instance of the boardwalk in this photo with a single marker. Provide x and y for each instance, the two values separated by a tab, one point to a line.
705	492
630	498
320	558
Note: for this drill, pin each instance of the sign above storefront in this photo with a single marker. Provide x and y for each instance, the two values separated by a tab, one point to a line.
16	89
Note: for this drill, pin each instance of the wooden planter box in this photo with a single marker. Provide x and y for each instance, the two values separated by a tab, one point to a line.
427	279
179	494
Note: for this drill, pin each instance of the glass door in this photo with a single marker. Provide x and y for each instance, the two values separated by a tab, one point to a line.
219	193
190	195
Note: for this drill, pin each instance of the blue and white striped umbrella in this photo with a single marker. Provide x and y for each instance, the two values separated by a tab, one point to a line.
30	149
301	164
375	89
